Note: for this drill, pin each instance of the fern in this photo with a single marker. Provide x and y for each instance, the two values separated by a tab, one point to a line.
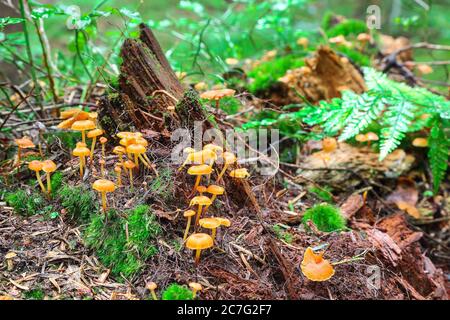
438	154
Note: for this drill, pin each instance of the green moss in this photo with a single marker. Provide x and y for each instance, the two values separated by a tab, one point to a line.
325	217
268	73
34	294
230	105
281	234
354	55
80	202
24	203
109	241
322	193
347	28
163	184
177	292
56	181
67	138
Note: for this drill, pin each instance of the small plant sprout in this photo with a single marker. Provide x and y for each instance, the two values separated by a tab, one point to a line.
36	166
83	126
188	214
420	142
200	201
199	171
120	151
201	190
240	173
196	287
82	152
118	171
216	95
199	242
151	286
315	267
102	167
228	159
104	186
48	166
93	134
210	223
130	166
103	141
23	143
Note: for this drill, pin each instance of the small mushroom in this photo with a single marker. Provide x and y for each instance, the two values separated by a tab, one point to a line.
136	150
420	142
363	38
104	186
409	209
224	222
199	171
118	171
83	126
329	145
199	242
424	69
200	201
130	166
82	152
151	286
304	42
228	158
216	95
93	134
9	258
36	166
188	214
120	151
240	173
210	223
215	191
23	143
48	166
361	137
315	267
102	167
371	136
195	286
103	141
194	157
201	190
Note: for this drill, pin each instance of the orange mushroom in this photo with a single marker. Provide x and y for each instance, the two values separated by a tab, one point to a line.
315	267
199	242
103	186
420	142
83	126
36	166
23	143
188	214
200	201
198	171
216	95
130	166
93	134
228	158
48	166
82	152
103	141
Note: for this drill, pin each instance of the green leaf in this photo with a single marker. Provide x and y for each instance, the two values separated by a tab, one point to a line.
438	154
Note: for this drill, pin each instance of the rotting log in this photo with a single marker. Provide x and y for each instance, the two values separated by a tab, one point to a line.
147	88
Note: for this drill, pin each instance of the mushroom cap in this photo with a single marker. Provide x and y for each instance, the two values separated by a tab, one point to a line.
208	154
363	37
239	173
424	69
329	144
117	168
127	141
152	286
103	185
371	136
216	190
409	208
217	94
229	157
128	134
189	213
136	149
94	133
213	147
315	267
66	124
81	151
93	116
35	165
69	113
361	137
103	140
209	223
201	189
199	170
82	125
200	200
129	164
10	255
24	143
302	41
199	241
188	150
224	222
142	141
195	157
119	150
420	142
48	166
102	161
81	144
195	286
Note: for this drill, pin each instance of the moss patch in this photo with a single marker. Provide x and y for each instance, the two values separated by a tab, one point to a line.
80	202
325	217
177	292
24	203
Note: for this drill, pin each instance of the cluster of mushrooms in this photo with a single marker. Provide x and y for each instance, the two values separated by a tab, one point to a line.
202	167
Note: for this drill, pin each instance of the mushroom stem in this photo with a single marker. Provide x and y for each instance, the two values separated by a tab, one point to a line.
199	213
153	294
104	202
197	183
213	234
49	184
38	177
136	161
18	156
121	160
94	140
187	229
217	104
147	163
131	177
81	167
225	166
102	169
83	136
40	150
119	179
197	255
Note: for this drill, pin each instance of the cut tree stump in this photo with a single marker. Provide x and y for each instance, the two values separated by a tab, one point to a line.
148	89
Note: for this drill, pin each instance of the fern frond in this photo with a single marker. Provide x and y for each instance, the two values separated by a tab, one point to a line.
396	120
438	154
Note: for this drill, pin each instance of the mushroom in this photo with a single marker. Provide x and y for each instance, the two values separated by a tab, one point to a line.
228	158
194	157
120	151
103	141
303	42
315	267
48	166
93	134
198	171
216	95
224	222
424	69
195	286
200	201
210	223
371	136
118	171
23	143
201	190
136	150
329	145
130	166
240	173
199	242
200	86
69	113
364	38
410	209
102	166
152	287
188	214
420	142
361	137
9	257
103	186
83	126
82	152
215	191
36	166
